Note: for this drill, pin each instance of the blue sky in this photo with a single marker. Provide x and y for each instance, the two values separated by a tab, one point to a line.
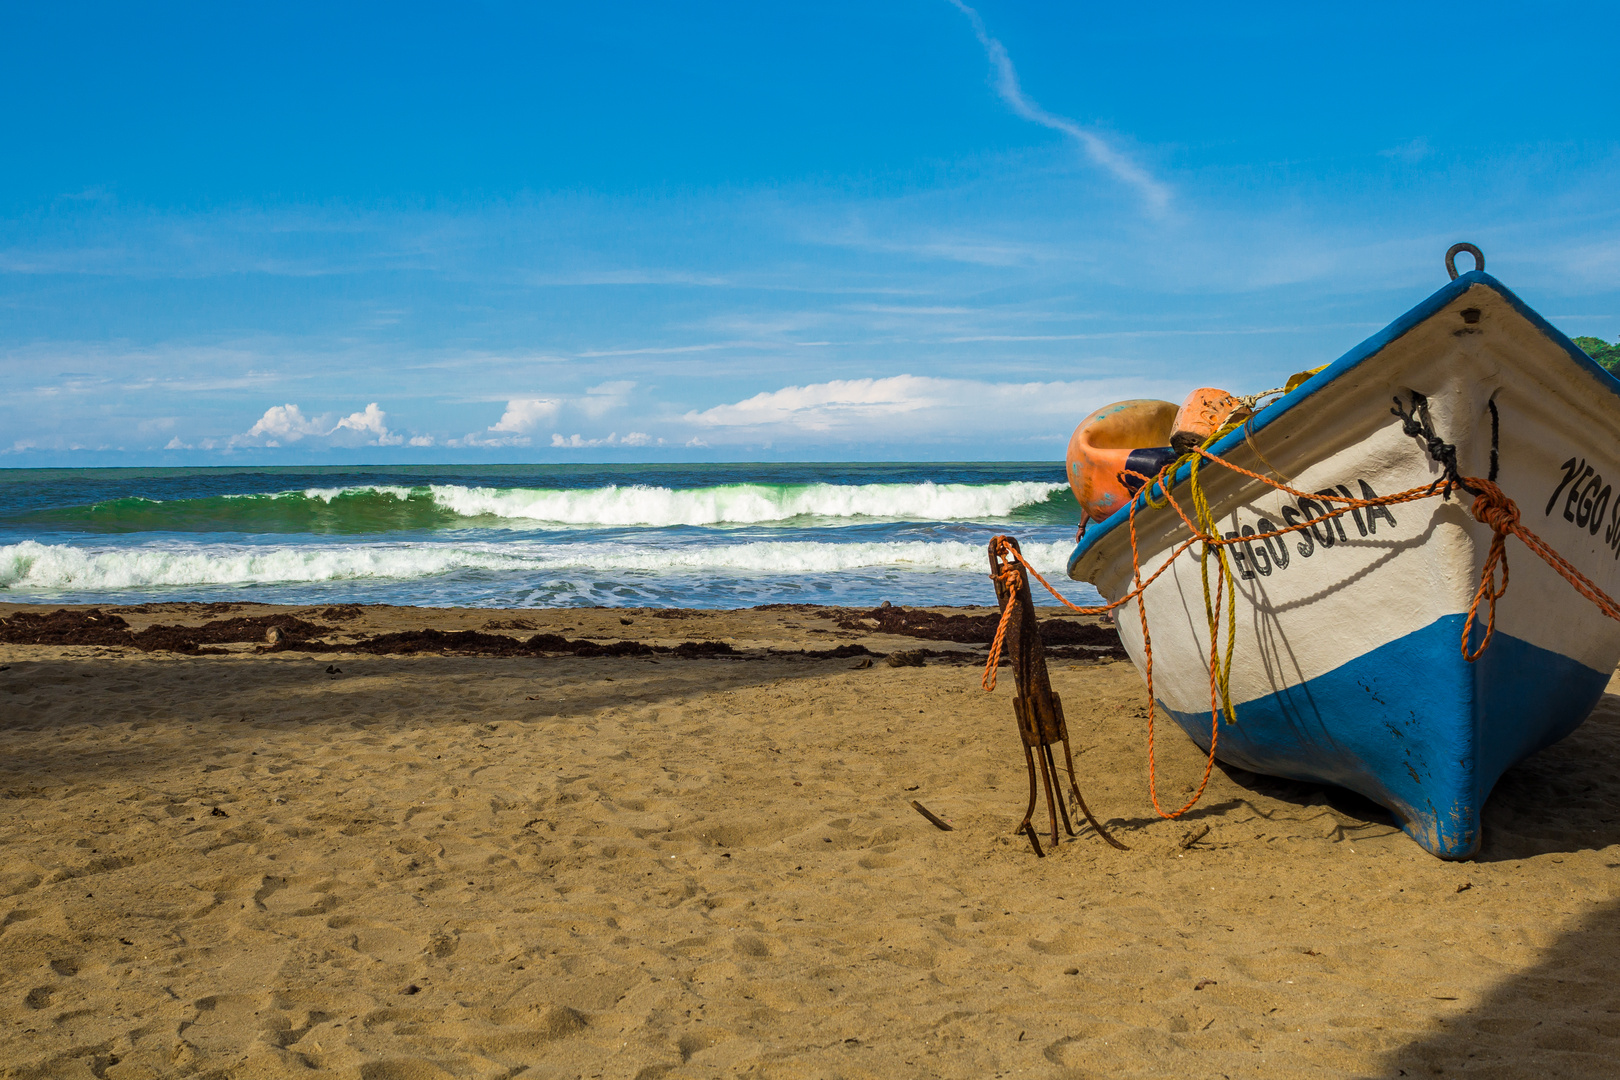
909	230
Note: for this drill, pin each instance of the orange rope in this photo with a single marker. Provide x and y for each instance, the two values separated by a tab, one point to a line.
1491	507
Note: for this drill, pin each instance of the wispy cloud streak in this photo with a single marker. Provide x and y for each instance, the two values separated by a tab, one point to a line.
1154	193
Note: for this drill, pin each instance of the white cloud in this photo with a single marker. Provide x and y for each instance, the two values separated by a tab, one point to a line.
476	439
577	441
421	440
280	423
371	421
525	414
605	397
1155	194
823	406
918	408
521	417
287	423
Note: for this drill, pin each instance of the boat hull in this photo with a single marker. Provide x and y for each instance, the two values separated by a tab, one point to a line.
1412	729
1347	663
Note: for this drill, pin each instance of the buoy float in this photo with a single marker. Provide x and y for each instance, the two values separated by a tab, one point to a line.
1127	435
1205	412
1139	436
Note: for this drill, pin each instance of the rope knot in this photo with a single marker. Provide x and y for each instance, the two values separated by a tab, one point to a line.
1492	507
1004	560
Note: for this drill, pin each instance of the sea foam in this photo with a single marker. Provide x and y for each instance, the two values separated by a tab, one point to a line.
32	567
744	504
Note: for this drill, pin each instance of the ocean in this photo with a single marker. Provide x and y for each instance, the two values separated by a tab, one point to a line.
706	536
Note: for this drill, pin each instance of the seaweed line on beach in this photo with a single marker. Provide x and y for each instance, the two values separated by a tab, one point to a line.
283	632
971	629
97	627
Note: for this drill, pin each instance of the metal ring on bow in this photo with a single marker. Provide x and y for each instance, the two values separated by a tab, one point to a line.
1451	258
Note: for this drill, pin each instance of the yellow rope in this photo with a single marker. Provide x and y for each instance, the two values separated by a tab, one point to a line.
1224	583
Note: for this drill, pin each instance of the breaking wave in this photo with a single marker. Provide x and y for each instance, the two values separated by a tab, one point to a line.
384	509
35	568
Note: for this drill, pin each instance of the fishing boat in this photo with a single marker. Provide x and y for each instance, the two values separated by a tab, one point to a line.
1348	658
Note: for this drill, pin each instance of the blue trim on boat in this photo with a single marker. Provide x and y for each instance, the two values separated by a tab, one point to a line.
1414	727
1356	356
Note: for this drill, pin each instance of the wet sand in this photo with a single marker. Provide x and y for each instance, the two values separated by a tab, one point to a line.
412	866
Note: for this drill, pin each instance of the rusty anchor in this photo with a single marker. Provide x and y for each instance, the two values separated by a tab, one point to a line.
1039	710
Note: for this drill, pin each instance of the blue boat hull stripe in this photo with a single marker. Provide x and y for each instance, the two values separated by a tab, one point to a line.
1453	727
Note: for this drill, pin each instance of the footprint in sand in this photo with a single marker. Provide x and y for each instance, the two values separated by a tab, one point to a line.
403	1069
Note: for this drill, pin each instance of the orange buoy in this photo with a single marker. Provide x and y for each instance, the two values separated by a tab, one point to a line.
1125	436
1201	415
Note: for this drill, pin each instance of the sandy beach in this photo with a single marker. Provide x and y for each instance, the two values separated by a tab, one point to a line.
690	862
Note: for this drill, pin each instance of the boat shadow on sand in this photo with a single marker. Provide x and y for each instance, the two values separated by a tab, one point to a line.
1557	1019
1561	800
1561	1016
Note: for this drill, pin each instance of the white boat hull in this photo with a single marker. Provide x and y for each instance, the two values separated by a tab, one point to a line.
1347	666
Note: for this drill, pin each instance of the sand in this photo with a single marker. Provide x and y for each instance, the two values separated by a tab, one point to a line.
242	865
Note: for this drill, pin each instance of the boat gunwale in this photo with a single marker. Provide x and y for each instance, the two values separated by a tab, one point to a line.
1366	350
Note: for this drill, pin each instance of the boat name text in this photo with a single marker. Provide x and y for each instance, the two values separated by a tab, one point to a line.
1585	500
1261	555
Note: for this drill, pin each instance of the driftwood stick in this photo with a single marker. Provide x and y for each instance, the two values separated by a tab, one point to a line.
939	822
